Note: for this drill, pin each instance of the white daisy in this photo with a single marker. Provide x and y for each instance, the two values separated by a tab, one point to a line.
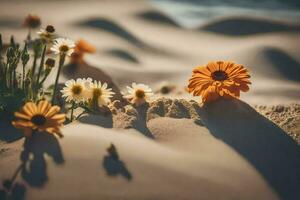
100	93
63	46
138	94
47	33
76	90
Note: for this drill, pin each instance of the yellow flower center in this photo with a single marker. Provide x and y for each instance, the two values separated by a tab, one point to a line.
76	89
38	120
97	92
140	93
63	48
219	75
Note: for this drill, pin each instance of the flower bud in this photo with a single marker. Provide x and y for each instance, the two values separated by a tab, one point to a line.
25	56
50	63
32	21
50	29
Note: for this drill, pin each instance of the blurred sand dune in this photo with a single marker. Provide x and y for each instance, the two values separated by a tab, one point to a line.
231	152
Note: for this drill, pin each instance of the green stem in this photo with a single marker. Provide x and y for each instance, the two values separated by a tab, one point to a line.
23	78
40	70
5	75
72	111
33	70
84	112
61	63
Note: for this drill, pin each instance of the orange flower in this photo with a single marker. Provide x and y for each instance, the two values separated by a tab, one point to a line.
40	117
81	48
219	79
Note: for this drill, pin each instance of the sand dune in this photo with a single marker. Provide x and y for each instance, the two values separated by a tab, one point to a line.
170	148
157	17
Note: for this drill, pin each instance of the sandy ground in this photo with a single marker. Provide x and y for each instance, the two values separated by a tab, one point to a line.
169	149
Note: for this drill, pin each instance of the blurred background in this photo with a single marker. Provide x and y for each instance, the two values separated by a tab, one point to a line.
159	42
191	13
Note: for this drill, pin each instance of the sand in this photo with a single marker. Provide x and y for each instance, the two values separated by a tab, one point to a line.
170	148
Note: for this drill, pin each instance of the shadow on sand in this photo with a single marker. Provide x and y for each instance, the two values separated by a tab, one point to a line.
141	123
103	120
84	70
247	26
272	152
114	166
112	27
157	17
123	54
283	63
8	133
34	166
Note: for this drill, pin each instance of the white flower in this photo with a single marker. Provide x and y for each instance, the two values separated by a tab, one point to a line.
47	33
63	46
76	90
100	93
138	94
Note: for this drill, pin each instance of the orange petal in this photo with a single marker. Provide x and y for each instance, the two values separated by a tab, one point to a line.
22	116
52	111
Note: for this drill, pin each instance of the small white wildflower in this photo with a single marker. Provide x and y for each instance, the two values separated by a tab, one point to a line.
138	94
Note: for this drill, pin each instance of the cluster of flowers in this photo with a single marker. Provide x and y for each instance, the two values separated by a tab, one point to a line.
20	84
86	90
91	95
221	79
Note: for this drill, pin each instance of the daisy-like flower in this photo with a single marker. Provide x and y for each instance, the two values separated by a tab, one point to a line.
47	33
219	79
63	46
76	90
99	93
138	94
40	117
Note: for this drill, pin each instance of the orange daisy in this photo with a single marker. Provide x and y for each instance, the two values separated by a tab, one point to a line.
40	117
219	79
81	48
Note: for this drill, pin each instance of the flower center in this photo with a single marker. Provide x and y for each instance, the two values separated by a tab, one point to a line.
219	75
38	120
97	93
63	48
140	94
50	29
76	89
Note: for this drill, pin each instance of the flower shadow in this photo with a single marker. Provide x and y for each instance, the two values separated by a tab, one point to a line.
114	166
103	120
34	166
272	152
14	191
141	123
8	133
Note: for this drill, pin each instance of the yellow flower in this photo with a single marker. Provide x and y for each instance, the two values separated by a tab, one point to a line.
40	117
76	90
100	92
138	94
63	46
219	79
